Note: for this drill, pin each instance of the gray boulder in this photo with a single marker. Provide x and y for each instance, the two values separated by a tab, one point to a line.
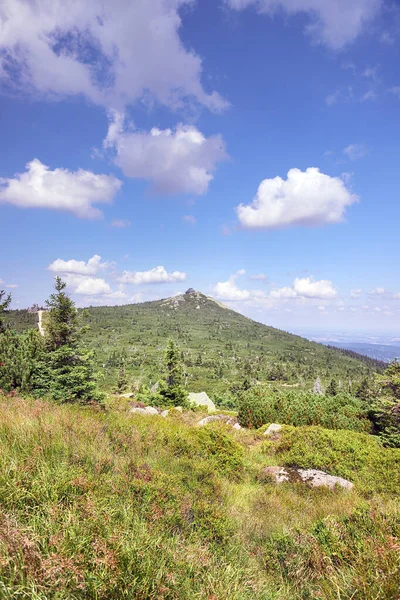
147	410
272	429
201	399
223	418
311	477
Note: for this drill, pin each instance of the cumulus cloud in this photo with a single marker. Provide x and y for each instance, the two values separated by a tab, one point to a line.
379	291
229	290
306	287
113	53
356	293
355	151
305	198
60	189
78	267
156	275
11	285
332	22
87	286
173	161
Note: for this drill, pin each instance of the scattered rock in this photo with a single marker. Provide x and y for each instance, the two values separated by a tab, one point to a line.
147	410
273	428
223	418
128	395
164	413
201	399
311	477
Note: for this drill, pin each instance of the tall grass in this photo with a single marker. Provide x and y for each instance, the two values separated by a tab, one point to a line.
102	505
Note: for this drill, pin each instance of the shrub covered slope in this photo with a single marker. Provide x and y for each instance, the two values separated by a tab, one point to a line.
97	504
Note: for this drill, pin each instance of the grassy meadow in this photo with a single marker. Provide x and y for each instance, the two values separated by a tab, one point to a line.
96	503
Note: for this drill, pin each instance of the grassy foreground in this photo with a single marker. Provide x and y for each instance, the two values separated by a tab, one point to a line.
104	505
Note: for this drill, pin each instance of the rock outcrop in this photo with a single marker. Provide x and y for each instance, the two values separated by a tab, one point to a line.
273	429
311	477
222	418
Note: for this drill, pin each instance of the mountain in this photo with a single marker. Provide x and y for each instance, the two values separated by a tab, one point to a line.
382	352
220	347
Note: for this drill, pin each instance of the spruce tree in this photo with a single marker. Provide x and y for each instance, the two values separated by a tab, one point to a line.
332	388
386	408
171	391
5	302
70	375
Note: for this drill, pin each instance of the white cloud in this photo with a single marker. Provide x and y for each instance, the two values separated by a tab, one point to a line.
156	275
173	161
228	290
189	219
332	22
305	198
11	285
121	223
113	53
72	191
306	287
396	296
355	151
395	90
379	291
87	286
356	293
78	267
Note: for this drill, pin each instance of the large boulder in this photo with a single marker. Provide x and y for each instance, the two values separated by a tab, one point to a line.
311	477
201	399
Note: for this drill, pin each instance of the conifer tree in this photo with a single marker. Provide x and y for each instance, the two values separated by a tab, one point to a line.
386	408
5	302
171	391
70	376
332	388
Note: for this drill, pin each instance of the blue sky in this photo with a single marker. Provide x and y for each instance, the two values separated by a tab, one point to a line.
246	148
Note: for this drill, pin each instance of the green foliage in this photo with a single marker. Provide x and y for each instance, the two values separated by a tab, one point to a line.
263	404
5	302
386	408
332	389
170	391
220	347
21	357
97	505
358	457
69	367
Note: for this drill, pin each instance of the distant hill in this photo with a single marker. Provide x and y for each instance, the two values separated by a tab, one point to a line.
220	347
383	352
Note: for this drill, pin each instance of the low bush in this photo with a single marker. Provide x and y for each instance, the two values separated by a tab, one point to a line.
262	404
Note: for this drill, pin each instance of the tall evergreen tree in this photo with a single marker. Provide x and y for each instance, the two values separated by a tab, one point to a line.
386	409
172	391
70	374
5	302
332	388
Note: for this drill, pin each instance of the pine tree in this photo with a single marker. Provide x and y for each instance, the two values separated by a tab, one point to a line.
171	391
386	409
5	302
70	376
332	388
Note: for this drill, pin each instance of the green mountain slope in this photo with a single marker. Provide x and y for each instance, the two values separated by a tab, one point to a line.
220	347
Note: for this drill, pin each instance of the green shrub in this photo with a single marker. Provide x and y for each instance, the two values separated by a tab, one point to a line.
358	457
261	404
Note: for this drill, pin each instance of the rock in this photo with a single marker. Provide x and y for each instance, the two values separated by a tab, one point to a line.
273	428
154	388
311	477
201	399
128	395
147	410
164	413
223	418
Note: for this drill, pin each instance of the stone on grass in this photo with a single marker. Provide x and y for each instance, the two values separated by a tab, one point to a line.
223	418
147	410
273	428
201	399
311	477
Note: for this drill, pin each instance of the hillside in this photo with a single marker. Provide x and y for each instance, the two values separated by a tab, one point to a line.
220	347
96	505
